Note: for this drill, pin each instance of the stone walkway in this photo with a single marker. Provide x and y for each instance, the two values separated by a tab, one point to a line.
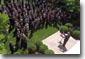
53	43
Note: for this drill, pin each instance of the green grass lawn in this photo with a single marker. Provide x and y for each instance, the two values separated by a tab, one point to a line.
38	35
42	34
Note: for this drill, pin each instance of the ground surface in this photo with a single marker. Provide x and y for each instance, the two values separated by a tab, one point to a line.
53	43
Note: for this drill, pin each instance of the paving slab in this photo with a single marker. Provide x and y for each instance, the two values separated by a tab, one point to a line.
53	43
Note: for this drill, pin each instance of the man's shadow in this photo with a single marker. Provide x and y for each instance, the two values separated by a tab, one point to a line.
62	48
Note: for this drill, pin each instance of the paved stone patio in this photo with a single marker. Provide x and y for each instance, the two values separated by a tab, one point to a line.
53	43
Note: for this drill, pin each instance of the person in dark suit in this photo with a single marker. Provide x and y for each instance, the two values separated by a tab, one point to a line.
25	44
9	1
0	8
5	2
21	45
12	23
17	46
11	47
0	1
25	30
14	2
23	2
19	2
18	36
66	39
26	4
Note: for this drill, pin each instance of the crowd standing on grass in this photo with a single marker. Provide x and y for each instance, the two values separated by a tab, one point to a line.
24	16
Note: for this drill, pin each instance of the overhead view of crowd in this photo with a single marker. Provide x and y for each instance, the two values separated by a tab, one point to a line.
24	16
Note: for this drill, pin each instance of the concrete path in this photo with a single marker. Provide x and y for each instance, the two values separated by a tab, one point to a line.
53	43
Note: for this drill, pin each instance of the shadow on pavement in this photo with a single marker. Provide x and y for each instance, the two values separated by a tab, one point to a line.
63	49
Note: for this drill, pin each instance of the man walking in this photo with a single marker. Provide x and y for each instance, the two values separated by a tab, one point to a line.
66	39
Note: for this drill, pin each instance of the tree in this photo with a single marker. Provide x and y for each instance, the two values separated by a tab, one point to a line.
3	25
72	8
4	21
70	5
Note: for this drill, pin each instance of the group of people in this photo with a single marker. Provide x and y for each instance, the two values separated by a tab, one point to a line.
24	16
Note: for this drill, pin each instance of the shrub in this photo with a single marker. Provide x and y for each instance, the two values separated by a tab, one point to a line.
70	30
4	21
48	52
69	25
43	48
76	34
31	48
25	52
64	29
2	36
18	52
38	43
3	50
